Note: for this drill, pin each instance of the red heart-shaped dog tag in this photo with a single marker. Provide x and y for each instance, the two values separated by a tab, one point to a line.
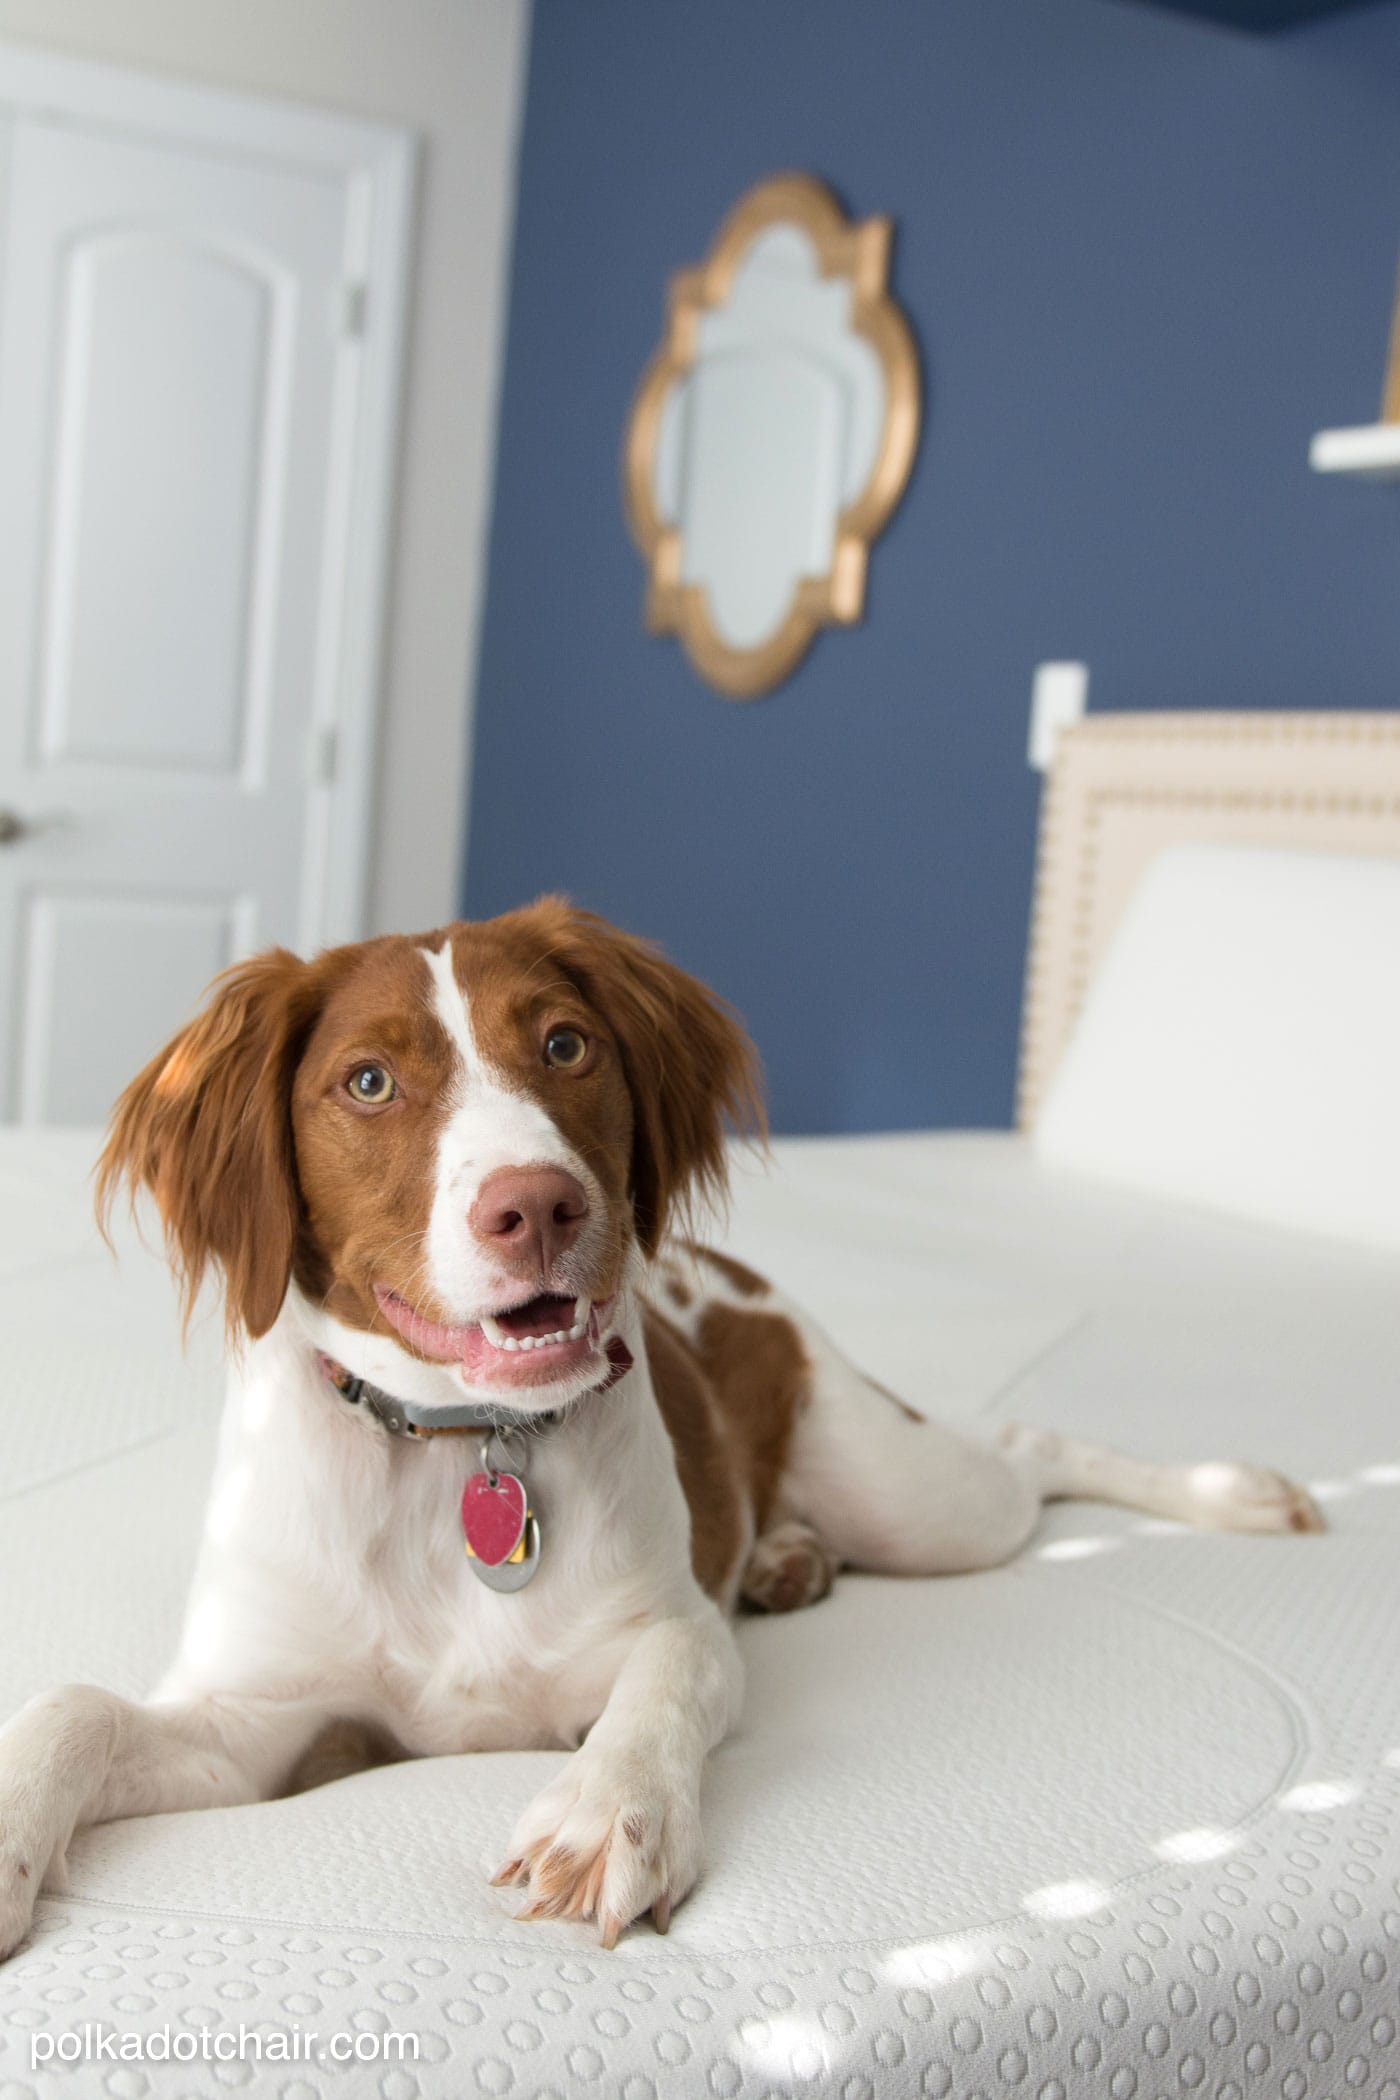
493	1516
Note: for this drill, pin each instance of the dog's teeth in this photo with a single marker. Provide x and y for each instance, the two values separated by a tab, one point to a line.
499	1339
583	1308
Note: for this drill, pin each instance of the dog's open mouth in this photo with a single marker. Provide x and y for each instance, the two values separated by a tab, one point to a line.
539	1323
534	1343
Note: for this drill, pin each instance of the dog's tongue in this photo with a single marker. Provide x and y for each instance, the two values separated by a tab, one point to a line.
544	1315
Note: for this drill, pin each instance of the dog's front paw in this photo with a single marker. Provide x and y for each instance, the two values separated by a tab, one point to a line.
610	1839
23	1872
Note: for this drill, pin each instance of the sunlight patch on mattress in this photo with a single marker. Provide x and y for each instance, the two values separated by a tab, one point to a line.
1188	1846
1316	1796
936	1962
785	2045
1066	1899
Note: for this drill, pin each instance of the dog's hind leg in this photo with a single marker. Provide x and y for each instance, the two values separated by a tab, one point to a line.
888	1491
1215	1496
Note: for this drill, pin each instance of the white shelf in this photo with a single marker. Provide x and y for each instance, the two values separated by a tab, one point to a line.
1371	451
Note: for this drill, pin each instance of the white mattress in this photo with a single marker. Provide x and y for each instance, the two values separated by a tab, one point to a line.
1120	1819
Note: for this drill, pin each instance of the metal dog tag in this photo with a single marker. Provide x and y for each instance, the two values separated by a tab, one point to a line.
512	1574
501	1530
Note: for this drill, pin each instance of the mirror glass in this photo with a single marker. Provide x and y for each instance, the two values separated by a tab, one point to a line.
772	435
769	436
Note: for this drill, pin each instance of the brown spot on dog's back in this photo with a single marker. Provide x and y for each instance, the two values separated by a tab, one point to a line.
710	1473
747	1282
759	1371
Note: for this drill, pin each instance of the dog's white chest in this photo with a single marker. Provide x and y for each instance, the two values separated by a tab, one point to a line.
351	1545
460	1667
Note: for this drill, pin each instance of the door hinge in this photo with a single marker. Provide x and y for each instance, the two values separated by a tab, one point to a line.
354	306
322	754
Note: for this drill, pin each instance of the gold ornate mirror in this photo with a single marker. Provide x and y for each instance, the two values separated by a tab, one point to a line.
772	434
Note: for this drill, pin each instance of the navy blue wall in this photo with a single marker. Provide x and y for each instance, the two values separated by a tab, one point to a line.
1145	259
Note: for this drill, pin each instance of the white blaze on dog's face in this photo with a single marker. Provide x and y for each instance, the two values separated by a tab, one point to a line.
454	1145
515	1203
464	1135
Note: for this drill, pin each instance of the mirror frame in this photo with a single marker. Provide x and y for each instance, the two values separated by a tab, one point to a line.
859	251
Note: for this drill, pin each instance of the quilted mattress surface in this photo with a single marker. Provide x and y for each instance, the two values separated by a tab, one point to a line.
1122	1819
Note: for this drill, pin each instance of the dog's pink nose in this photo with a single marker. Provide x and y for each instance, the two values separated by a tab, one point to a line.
529	1215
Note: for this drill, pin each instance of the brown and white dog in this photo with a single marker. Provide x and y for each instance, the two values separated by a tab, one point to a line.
446	1167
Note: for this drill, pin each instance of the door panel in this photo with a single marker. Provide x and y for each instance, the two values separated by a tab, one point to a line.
94	969
167	385
170	367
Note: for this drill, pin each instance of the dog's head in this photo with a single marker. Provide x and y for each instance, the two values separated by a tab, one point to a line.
452	1145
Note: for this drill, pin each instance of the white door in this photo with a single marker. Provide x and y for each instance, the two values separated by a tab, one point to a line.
177	363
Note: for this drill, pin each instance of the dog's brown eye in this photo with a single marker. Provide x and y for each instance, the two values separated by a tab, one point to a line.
372	1084
565	1049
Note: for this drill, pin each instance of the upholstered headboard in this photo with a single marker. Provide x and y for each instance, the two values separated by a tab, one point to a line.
1123	787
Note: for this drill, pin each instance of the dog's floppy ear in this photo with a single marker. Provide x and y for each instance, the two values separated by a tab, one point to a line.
206	1127
691	1068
